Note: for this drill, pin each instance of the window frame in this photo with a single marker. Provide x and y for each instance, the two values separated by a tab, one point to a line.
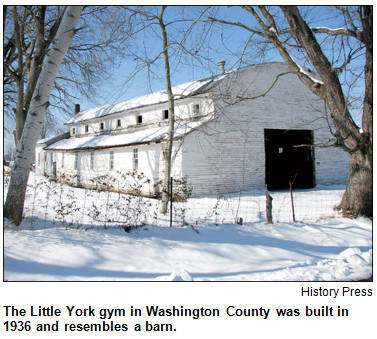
135	159
194	112
76	163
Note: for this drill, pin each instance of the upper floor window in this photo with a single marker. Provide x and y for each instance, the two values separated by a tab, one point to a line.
86	128
119	123
195	110
139	119
101	126
73	131
111	162
165	114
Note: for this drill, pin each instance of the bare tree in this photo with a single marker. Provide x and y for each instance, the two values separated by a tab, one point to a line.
173	45
169	145
289	33
28	35
13	207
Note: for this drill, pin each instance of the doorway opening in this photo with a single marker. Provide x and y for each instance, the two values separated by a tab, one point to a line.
285	163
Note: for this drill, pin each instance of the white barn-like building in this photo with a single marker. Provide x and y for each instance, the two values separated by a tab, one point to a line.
234	131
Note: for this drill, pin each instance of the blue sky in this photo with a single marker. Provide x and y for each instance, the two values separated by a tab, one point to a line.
226	42
220	42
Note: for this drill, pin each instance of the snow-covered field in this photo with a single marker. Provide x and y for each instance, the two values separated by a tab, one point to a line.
60	239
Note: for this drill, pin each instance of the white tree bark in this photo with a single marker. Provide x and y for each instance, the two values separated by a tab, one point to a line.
13	207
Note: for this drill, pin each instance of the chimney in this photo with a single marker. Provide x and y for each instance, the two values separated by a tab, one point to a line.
77	108
221	65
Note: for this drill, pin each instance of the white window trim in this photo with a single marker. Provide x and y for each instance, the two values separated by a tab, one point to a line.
137	119
76	163
193	109
135	159
111	160
163	114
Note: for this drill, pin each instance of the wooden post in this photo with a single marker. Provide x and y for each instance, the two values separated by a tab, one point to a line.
268	207
171	201
293	208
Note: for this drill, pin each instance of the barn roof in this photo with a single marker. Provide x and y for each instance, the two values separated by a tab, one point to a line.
138	137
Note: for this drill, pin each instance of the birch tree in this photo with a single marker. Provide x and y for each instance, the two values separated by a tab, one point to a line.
25	48
290	32
28	35
13	207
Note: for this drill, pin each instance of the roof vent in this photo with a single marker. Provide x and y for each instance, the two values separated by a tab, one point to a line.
221	65
77	108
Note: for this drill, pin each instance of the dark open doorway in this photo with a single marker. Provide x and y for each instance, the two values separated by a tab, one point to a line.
286	163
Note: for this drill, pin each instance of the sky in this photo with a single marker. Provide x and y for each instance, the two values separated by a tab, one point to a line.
226	43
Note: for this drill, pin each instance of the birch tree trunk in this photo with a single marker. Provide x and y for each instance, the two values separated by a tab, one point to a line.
169	144
14	204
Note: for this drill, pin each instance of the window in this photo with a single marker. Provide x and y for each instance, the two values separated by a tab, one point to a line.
195	110
62	159
165	114
111	163
139	119
86	129
101	126
39	159
119	123
91	160
76	161
136	159
52	161
73	131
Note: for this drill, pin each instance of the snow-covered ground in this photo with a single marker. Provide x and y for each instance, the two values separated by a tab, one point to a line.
60	240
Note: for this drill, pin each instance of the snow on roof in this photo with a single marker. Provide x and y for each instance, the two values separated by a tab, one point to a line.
53	139
43	141
180	91
143	136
